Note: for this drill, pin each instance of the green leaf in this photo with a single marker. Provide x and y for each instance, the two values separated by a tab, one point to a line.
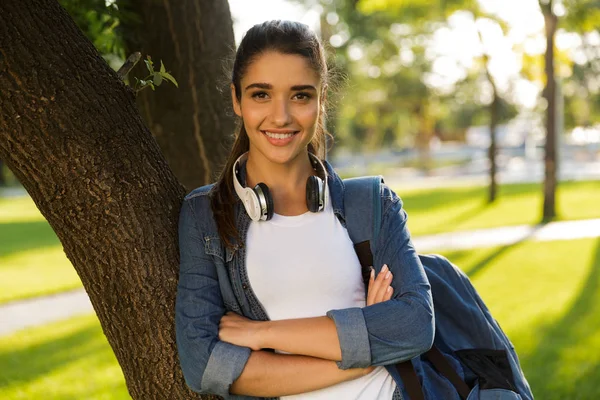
157	78
162	67
151	84
168	76
149	64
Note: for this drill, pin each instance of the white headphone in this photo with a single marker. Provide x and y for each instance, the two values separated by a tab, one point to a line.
259	203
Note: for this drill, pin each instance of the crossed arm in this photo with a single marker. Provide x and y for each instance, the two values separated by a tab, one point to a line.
222	355
313	342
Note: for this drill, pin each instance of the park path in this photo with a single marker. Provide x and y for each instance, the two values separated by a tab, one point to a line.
41	310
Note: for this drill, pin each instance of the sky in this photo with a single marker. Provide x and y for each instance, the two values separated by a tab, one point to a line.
246	13
455	46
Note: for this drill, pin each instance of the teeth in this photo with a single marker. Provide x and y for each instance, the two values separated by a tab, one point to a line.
278	135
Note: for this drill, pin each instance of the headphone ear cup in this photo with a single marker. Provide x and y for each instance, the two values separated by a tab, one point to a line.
268	199
312	193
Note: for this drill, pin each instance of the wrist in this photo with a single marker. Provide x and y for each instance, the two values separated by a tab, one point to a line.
368	370
263	334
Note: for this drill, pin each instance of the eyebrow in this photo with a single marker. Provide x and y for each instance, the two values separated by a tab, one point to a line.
268	86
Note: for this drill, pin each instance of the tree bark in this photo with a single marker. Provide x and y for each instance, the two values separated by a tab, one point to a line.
193	38
71	133
2	177
550	159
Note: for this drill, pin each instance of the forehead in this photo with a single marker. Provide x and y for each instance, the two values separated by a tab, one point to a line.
280	70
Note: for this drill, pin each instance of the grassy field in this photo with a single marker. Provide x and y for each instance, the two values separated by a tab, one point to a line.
465	208
32	261
546	296
65	360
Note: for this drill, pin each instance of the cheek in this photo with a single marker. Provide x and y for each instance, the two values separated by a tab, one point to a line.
308	115
252	116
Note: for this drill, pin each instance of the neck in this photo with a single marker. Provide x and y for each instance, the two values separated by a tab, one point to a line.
286	182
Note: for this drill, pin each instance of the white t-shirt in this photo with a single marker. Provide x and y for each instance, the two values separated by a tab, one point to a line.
303	266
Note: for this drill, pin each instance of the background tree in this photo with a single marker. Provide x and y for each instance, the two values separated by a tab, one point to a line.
581	17
71	133
385	50
183	120
495	109
193	38
549	93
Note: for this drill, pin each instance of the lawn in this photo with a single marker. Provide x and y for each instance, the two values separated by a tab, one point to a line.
465	208
65	360
32	261
546	296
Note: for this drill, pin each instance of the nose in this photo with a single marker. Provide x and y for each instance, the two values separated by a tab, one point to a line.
281	112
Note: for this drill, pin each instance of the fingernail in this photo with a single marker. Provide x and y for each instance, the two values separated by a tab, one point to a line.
385	267
372	272
389	289
387	276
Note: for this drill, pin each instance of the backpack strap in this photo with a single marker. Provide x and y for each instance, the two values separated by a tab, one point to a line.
363	231
362	196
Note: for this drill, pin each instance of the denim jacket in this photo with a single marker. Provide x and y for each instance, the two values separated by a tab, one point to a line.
213	280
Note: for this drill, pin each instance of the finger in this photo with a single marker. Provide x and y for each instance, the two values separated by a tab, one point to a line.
386	279
388	293
370	288
376	286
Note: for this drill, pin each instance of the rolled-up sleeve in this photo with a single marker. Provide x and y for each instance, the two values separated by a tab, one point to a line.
353	336
403	327
208	364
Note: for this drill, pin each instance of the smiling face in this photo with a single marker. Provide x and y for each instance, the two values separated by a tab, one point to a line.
279	105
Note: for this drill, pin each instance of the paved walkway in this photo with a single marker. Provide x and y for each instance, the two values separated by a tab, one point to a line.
564	230
42	310
38	311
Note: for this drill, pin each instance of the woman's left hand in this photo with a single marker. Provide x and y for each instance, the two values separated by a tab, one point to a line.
240	331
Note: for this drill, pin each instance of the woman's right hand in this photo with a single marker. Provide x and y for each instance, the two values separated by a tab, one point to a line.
379	288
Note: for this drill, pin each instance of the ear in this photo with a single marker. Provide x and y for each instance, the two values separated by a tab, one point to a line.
237	108
323	97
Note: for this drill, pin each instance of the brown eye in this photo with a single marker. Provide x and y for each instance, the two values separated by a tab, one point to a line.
303	96
259	95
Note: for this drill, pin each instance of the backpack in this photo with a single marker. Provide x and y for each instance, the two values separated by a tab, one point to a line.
464	327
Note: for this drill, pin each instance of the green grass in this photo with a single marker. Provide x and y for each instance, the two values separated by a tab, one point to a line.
546	296
66	360
465	208
32	262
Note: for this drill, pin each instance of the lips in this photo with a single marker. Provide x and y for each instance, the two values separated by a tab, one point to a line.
280	135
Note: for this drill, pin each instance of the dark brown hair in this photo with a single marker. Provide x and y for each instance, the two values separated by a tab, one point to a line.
281	36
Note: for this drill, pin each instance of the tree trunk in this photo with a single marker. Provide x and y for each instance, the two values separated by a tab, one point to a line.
71	133
550	160
492	151
2	177
494	110
191	124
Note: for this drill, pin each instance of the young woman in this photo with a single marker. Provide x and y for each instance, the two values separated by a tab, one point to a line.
271	301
